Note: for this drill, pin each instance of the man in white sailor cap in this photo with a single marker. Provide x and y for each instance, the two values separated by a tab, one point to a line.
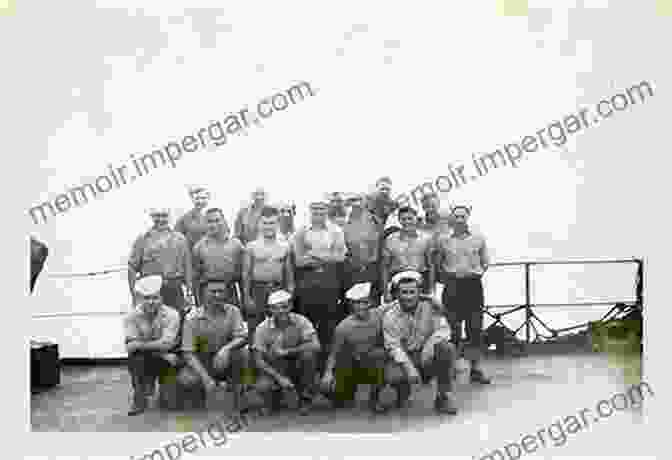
417	339
357	355
285	353
151	333
319	250
461	260
162	251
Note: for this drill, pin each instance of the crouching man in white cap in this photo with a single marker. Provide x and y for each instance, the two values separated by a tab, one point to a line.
213	343
151	332
358	354
417	338
285	352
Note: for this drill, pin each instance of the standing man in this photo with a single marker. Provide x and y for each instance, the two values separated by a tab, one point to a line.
246	225
380	203
219	257
151	333
407	249
362	239
285	352
462	262
267	267
337	212
358	354
213	343
417	338
193	225
319	248
162	251
430	206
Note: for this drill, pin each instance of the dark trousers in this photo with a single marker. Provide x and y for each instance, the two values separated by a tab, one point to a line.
463	300
172	293
145	367
301	369
259	291
354	369
317	298
441	367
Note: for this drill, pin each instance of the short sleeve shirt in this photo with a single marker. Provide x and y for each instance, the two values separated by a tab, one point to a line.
160	253
166	325
360	336
218	260
206	333
299	331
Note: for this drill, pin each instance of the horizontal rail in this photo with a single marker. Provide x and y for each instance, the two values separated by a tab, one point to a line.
576	304
73	314
563	262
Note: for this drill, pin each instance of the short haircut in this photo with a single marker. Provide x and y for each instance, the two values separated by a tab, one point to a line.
429	196
269	211
465	208
385	179
406	209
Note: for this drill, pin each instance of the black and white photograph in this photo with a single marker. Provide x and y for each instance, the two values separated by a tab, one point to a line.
297	228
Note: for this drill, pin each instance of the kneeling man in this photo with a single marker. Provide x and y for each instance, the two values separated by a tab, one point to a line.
213	343
417	338
285	352
151	333
358	354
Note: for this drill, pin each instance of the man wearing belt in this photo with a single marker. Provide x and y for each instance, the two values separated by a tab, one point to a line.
408	249
213	344
219	257
285	351
362	240
462	259
319	248
266	268
358	354
417	339
151	332
162	251
246	225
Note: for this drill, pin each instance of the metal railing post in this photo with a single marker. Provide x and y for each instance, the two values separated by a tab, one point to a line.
528	307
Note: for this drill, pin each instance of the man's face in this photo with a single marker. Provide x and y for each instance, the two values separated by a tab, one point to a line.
409	295
408	220
216	223
200	199
150	303
430	205
269	226
360	307
286	213
460	218
279	312
318	214
160	220
384	188
217	294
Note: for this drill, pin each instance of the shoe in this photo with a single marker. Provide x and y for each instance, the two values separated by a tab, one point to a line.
403	395
445	404
139	404
477	376
305	405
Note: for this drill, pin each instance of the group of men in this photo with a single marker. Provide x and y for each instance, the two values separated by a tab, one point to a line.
342	301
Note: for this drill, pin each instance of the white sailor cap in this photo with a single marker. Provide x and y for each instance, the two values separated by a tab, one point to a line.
360	291
408	274
464	206
279	297
149	285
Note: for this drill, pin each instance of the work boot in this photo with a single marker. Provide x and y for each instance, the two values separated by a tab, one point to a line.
403	394
445	403
139	404
477	376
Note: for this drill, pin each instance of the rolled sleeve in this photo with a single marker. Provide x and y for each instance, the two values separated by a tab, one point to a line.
171	329
239	327
260	340
308	332
392	337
